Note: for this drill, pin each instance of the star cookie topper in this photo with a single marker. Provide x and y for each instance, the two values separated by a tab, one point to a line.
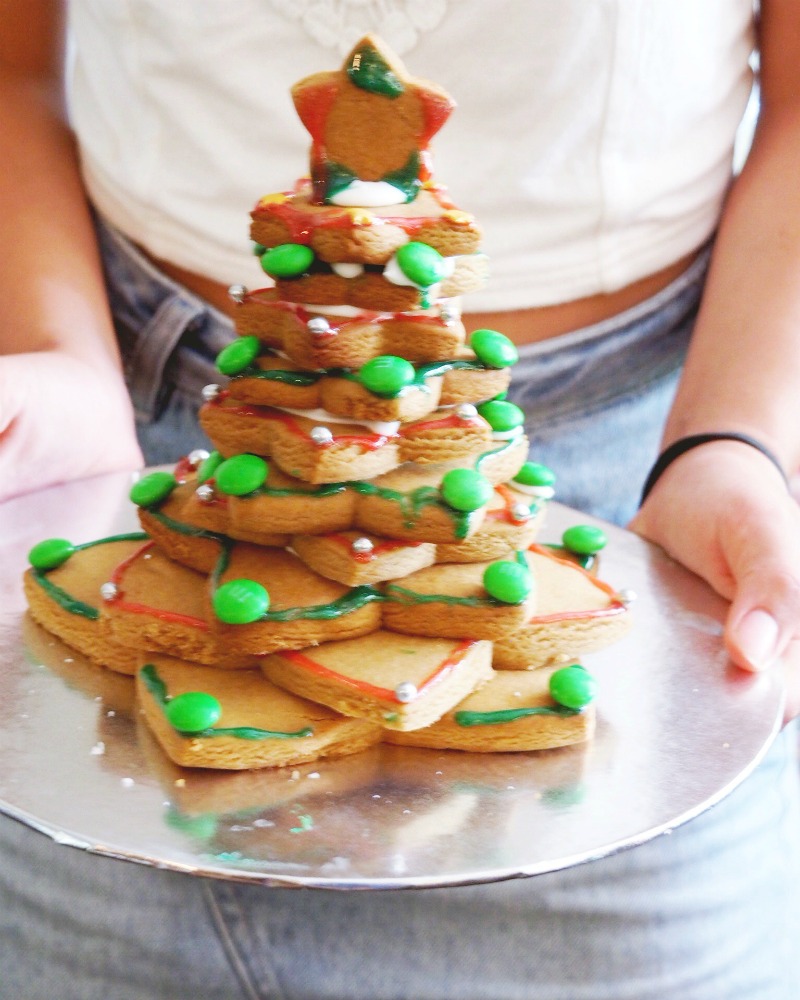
370	125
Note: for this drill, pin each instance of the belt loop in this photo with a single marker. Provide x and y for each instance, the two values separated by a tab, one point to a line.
155	342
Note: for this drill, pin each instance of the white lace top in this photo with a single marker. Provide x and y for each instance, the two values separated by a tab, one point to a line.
592	140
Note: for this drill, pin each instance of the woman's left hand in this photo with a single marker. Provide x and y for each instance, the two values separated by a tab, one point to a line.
724	512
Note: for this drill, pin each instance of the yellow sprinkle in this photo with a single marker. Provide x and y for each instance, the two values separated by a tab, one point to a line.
273	199
362	218
458	217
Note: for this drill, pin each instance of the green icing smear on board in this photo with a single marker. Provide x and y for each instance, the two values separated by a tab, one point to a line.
66	601
464	718
158	689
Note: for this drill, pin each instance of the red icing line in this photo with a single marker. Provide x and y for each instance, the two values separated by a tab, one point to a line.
337	323
446	667
143	609
504	514
369	442
615	608
378	548
441	422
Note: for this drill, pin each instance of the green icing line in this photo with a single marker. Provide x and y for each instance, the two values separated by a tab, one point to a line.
412	503
406	596
66	601
158	689
186	529
509	715
279	375
355	598
584	561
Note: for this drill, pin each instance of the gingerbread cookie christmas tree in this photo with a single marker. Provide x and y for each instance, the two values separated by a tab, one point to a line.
363	534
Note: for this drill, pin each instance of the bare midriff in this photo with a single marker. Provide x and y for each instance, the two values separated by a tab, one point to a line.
523	326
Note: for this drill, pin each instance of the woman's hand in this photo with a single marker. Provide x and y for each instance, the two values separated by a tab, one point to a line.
724	512
61	419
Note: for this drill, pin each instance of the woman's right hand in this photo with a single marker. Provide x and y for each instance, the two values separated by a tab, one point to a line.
61	418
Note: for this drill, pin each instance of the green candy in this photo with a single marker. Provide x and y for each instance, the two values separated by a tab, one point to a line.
241	474
239	602
502	415
509	582
193	711
259	249
573	687
584	539
50	553
421	264
465	489
386	375
493	349
535	474
152	489
208	467
238	355
287	260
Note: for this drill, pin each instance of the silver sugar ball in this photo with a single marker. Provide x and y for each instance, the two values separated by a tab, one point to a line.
627	596
238	293
466	411
405	691
108	591
321	435
318	325
362	545
521	511
210	392
205	493
197	457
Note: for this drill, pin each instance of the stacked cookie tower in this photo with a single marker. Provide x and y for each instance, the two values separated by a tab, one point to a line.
362	536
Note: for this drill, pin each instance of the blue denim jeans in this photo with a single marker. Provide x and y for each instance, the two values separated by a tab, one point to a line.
709	912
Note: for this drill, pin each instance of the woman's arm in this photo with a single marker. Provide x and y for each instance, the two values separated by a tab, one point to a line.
722	509
64	411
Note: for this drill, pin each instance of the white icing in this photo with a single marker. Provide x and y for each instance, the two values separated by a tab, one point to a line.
393	273
515	432
386	428
347	270
541	492
368	194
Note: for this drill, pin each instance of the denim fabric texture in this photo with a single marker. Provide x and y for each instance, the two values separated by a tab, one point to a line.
710	912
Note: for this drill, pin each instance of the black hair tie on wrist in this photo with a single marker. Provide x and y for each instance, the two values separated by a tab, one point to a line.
682	445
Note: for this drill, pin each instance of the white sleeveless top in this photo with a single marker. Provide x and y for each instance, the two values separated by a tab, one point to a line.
592	138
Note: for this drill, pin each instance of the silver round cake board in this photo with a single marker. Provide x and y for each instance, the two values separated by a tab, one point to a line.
679	727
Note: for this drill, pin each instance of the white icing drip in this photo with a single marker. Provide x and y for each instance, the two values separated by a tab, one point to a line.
347	270
387	428
541	492
368	194
515	432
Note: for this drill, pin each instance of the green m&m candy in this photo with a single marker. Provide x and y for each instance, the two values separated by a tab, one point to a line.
493	349
209	466
573	687
386	375
239	602
238	355
465	489
535	474
152	489
584	539
287	260
193	711
241	475
50	553
506	581
421	264
502	415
